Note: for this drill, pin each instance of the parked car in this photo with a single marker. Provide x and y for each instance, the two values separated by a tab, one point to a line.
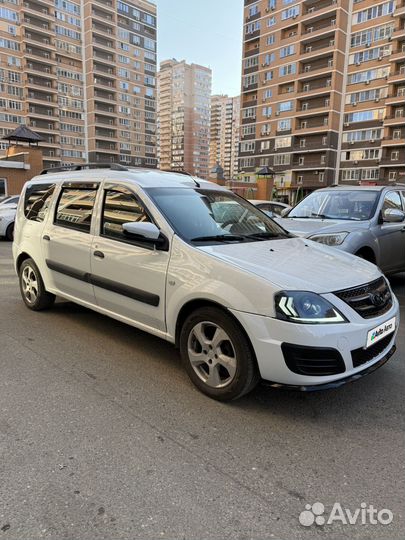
366	221
241	298
271	208
8	208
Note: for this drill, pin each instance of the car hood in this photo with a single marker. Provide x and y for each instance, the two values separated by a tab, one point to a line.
308	227
297	264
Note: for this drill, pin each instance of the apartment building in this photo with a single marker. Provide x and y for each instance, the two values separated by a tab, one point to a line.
224	138
184	92
322	91
82	74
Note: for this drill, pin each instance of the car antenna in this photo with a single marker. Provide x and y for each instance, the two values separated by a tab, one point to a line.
193	178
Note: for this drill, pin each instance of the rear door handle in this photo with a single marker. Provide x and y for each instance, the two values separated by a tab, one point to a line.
99	254
46	237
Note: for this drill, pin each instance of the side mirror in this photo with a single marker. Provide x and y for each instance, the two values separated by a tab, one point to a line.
284	212
393	215
144	230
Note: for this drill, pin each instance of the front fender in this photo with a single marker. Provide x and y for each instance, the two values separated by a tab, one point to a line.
197	275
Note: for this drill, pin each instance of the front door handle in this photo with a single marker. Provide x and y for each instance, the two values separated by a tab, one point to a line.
99	254
46	237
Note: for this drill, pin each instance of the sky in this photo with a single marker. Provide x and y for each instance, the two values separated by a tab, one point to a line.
206	32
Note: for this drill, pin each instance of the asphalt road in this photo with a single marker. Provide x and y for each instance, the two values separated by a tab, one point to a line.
102	436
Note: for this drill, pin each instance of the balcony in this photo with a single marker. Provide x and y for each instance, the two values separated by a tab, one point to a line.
32	8
101	81
102	15
398	75
104	109
390	141
36	24
45	56
317	10
107	4
310	73
37	39
105	134
394	120
42	112
102	29
318	128
35	68
104	120
42	97
100	68
314	111
317	30
104	43
316	90
40	83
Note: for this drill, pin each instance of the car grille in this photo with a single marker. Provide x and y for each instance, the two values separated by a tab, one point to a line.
362	356
370	300
313	361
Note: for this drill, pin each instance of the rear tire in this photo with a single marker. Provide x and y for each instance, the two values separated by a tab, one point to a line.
32	288
217	355
10	232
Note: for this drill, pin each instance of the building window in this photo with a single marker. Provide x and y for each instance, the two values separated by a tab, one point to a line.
322	177
394	155
392	175
301	160
302	143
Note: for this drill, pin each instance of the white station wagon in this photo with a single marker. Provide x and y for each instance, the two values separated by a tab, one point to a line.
191	262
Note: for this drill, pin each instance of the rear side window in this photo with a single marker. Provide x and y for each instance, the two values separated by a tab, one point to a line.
37	200
120	207
75	208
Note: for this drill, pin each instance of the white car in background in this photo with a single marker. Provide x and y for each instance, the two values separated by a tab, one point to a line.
8	208
271	208
192	263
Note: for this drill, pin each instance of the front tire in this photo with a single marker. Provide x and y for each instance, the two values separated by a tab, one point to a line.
217	355
32	288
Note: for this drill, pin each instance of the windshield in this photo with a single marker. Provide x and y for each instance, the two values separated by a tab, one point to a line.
209	216
353	205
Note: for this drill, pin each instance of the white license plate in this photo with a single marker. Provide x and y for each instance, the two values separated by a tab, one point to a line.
378	333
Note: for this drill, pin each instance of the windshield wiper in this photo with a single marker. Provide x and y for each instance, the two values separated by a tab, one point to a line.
265	235
219	238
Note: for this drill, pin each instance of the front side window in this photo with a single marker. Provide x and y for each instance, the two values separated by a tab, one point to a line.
207	216
75	207
120	207
353	205
37	201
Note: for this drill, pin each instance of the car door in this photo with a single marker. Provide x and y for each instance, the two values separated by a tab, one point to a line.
129	277
392	236
67	239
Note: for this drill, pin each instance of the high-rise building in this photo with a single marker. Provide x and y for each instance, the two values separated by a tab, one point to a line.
81	73
323	90
224	140
184	92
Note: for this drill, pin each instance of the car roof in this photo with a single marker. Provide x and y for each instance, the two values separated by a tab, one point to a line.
362	188
146	178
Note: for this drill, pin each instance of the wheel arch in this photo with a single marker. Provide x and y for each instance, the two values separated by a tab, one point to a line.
21	258
197	303
367	253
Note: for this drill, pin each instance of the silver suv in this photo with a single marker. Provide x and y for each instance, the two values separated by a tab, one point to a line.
366	221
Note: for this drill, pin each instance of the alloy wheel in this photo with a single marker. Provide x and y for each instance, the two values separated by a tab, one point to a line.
212	354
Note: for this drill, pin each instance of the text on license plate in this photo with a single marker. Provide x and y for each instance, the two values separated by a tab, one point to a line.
376	334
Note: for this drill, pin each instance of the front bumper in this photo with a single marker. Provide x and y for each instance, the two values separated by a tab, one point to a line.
268	334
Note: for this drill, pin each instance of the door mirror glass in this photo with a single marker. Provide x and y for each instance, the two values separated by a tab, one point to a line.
142	230
393	215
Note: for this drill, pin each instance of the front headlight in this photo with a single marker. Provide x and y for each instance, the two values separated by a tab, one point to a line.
330	239
306	308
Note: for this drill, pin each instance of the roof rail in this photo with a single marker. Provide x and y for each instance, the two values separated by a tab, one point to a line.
86	166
